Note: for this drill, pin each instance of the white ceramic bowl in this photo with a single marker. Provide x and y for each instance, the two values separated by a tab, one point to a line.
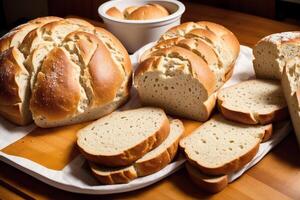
136	33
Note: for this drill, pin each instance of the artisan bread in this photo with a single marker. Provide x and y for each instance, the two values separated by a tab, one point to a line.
150	163
291	88
272	52
253	102
123	137
221	147
212	46
144	12
178	81
62	71
208	183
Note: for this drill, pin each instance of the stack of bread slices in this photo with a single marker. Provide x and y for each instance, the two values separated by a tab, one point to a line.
129	144
229	140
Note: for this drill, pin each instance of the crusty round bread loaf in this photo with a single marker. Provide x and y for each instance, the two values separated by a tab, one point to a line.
211	46
61	71
272	53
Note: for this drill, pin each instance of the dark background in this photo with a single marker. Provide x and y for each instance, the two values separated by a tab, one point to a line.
15	12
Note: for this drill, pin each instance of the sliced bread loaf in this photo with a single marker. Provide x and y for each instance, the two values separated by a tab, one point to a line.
208	183
123	137
291	88
178	81
272	52
220	146
151	162
253	102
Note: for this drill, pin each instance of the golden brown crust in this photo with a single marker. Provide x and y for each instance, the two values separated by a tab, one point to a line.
146	12
151	166
211	184
105	76
56	93
131	155
126	59
227	36
14	114
11	67
157	163
118	177
115	12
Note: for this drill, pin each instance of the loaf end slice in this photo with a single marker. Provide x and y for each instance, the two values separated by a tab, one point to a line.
150	163
123	137
253	102
221	147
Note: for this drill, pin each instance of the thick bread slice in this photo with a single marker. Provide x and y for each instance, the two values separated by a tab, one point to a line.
150	163
178	81
291	88
212	184
221	147
121	138
272	52
253	102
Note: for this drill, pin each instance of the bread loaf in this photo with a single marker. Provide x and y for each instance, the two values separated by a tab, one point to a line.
62	71
253	102
272	52
150	163
184	69
291	88
121	138
221	147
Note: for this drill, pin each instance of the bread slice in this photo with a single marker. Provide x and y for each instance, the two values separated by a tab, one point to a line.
221	147
291	88
178	81
121	138
150	163
253	102
211	184
272	52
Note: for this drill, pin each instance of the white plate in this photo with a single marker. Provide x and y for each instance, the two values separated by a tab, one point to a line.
75	177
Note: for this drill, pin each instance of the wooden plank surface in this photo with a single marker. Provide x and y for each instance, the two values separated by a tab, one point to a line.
277	176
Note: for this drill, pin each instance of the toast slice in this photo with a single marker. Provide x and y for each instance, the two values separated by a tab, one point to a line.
221	147
291	88
150	163
253	102
121	138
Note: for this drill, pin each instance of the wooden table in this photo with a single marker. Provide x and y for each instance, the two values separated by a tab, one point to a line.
277	176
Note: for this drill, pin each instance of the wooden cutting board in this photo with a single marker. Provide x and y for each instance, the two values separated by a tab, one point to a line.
54	148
